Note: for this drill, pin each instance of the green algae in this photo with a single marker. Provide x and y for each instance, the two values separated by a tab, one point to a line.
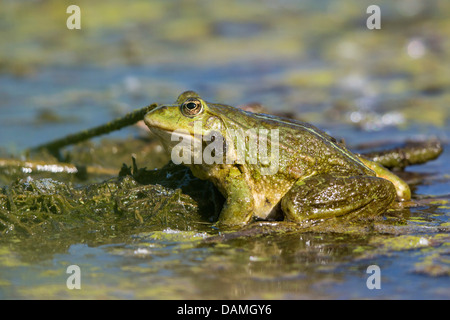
40	217
435	264
402	242
430	250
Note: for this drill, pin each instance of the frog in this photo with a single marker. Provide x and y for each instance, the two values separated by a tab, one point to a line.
316	177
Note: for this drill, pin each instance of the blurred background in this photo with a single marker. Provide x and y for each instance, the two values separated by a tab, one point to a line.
316	59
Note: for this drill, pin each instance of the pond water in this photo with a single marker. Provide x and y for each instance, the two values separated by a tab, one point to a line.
316	60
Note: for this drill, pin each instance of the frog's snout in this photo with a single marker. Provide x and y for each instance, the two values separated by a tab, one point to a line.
149	118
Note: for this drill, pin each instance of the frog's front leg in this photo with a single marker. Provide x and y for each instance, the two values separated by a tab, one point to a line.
239	205
326	196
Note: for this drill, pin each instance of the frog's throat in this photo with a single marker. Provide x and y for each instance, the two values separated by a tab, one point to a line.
174	136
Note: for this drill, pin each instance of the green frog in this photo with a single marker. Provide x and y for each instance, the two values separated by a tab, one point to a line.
308	176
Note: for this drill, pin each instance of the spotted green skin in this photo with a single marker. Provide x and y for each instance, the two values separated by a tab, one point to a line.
317	177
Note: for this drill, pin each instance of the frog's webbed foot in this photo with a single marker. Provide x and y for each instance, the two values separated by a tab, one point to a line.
326	196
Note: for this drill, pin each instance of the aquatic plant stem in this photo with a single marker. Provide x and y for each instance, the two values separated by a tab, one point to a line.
129	119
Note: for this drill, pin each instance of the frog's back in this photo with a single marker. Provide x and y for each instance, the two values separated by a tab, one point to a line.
303	148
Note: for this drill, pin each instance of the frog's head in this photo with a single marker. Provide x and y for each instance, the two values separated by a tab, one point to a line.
190	118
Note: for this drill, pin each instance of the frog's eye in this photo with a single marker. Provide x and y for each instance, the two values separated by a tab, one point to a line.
191	107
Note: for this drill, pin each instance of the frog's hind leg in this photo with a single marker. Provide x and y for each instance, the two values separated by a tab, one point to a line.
326	196
401	187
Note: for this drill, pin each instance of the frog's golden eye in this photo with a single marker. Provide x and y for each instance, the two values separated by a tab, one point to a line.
191	107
